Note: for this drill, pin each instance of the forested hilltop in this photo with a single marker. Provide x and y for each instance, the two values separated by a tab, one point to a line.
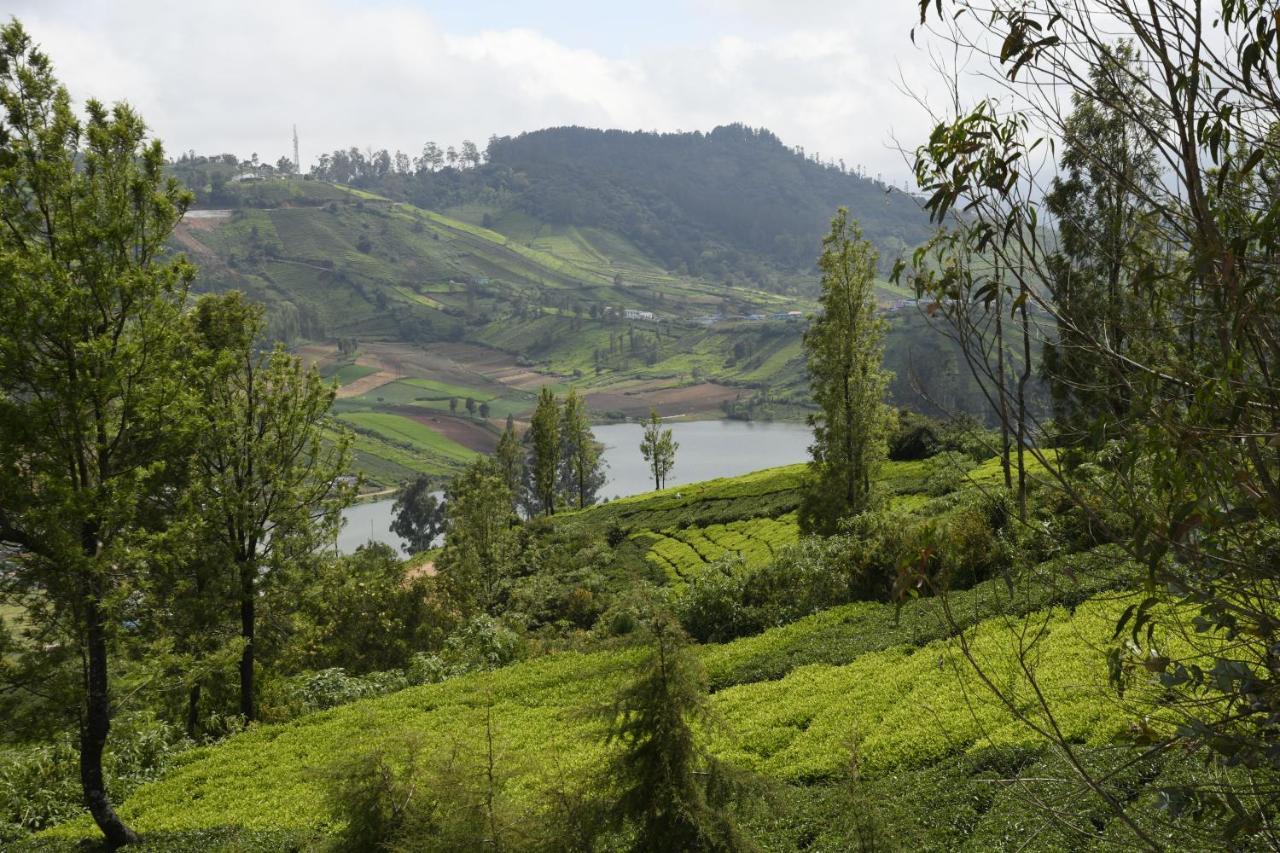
733	200
733	203
440	301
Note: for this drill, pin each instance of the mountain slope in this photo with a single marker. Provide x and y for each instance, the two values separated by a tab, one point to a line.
712	203
868	682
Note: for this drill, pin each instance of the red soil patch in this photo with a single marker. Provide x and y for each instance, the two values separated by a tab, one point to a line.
190	243
471	434
427	569
689	400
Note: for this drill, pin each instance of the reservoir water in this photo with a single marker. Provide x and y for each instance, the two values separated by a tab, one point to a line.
708	449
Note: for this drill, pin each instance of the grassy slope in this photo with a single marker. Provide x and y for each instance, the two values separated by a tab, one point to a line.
796	702
345	264
358	266
900	708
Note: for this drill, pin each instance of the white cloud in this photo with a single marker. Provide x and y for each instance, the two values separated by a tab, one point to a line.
236	75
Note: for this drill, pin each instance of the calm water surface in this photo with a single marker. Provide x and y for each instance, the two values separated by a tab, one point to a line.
708	449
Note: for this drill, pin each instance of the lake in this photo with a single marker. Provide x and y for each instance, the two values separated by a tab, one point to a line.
708	449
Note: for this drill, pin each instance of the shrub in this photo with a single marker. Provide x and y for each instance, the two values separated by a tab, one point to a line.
946	472
40	785
713	606
288	698
482	644
358	613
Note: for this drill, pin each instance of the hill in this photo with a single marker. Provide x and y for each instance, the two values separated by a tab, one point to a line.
732	204
878	686
415	311
732	200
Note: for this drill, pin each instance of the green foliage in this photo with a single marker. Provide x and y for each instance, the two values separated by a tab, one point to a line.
582	472
797	728
358	612
95	413
419	516
1106	233
544	439
841	634
478	559
266	488
680	551
672	794
844	354
40	783
877	556
772	492
658	449
510	458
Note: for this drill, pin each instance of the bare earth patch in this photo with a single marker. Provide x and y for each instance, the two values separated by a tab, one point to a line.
472	434
426	569
365	384
688	400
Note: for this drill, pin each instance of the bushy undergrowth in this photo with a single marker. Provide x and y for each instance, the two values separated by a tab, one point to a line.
878	556
841	634
900	706
40	784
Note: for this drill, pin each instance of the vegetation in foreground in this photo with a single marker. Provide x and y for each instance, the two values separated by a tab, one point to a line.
1068	645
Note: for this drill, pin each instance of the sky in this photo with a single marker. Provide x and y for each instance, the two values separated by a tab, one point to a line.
235	75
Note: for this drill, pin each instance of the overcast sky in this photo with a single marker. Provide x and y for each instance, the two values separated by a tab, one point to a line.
234	75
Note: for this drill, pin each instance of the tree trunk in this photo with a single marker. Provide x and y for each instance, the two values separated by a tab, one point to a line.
1000	382
247	602
94	725
1022	403
193	711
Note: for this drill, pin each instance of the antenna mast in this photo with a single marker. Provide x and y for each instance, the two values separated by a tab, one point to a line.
297	161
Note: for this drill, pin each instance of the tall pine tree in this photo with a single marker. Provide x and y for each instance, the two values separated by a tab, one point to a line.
94	415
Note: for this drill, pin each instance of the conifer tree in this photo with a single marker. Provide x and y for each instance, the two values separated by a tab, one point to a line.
583	470
843	347
94	416
544	434
672	793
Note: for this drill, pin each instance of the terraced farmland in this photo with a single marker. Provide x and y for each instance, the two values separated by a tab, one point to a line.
678	551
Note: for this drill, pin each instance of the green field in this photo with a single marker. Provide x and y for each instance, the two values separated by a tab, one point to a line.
348	373
900	709
402	431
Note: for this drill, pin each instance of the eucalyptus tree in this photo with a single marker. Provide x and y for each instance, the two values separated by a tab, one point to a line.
658	447
1167	206
94	415
844	351
269	464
